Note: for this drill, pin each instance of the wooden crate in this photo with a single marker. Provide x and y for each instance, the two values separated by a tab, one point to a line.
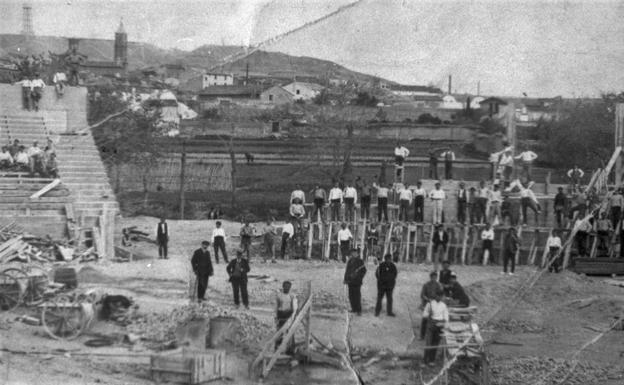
188	366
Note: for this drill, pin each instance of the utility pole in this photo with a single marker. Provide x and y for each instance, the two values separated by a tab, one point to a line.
478	87
619	140
182	177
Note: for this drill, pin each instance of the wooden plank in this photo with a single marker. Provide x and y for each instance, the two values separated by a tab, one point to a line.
517	255
387	240
310	238
45	189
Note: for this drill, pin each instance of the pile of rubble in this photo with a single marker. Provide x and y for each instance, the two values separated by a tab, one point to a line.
18	246
531	370
158	329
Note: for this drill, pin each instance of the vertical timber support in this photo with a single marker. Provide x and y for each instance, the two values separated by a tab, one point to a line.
619	140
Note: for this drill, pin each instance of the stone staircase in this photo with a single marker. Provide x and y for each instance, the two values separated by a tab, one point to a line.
80	167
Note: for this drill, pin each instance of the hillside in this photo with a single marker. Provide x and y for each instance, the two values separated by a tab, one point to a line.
139	54
277	62
207	57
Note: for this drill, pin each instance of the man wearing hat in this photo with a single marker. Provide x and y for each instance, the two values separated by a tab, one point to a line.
353	278
386	274
428	292
237	269
456	292
202	267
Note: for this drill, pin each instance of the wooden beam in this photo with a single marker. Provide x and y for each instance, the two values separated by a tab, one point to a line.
619	139
45	189
464	245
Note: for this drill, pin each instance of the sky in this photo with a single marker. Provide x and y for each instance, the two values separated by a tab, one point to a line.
509	47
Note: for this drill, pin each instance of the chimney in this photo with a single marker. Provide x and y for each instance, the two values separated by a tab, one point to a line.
450	84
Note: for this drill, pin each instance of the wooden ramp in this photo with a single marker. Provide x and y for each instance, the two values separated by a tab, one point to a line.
271	352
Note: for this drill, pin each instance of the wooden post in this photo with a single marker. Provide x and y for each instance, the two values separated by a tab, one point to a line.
387	240
464	244
619	140
182	177
517	256
544	255
363	239
532	247
430	245
310	240
308	320
329	237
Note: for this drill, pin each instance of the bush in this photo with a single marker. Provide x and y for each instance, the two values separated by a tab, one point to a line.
428	118
365	99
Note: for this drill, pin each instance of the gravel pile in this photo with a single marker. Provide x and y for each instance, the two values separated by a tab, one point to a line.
532	370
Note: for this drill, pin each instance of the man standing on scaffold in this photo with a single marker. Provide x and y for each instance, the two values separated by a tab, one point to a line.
400	153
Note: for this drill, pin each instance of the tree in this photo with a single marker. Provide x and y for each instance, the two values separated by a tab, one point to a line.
132	138
365	99
103	102
584	134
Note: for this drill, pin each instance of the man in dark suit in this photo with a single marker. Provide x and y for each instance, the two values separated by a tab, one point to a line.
202	267
462	200
237	269
386	279
444	277
353	278
162	238
440	240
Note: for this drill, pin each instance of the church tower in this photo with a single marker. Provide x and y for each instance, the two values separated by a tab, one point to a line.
121	46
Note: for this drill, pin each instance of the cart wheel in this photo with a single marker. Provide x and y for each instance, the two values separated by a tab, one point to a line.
62	319
33	279
11	292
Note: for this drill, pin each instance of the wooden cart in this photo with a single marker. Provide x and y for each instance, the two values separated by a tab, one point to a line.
462	339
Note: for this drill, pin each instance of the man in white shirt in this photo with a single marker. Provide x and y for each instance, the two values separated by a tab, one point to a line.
350	199
297	213
6	160
481	202
297	196
60	81
528	200
400	154
405	200
287	232
575	174
437	315
438	196
553	243
218	242
21	159
495	200
37	86
26	84
487	236
335	201
34	157
419	195
527	157
507	163
382	201
344	239
449	158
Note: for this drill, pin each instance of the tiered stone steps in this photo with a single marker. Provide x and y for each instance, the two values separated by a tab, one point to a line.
80	167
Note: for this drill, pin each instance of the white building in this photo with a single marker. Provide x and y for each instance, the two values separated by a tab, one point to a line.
303	91
449	102
217	79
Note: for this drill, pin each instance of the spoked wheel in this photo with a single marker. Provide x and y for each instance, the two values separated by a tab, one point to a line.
11	291
34	280
62	318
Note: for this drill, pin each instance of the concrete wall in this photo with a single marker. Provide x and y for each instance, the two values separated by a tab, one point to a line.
74	103
406	131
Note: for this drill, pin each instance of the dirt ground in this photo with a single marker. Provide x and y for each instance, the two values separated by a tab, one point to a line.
547	327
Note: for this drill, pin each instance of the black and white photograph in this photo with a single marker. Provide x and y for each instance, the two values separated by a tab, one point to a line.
312	192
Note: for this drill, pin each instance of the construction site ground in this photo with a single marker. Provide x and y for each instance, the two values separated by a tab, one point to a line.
547	327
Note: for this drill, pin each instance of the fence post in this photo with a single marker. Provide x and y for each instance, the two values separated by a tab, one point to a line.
182	172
